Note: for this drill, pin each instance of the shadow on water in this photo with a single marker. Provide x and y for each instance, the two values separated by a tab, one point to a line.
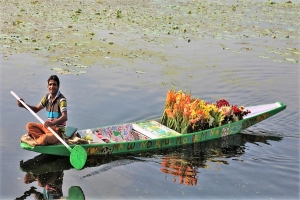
182	163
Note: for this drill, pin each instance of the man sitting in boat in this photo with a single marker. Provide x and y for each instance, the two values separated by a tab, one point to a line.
56	107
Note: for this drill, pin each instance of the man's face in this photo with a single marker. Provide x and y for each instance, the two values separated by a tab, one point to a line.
52	87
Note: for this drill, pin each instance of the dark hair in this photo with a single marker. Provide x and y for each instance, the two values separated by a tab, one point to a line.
54	78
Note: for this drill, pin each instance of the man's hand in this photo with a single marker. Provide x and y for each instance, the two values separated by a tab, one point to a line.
48	124
20	104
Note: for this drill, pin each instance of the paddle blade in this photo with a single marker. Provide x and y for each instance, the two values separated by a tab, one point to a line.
78	157
75	192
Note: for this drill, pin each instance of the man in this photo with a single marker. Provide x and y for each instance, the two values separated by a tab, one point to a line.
56	107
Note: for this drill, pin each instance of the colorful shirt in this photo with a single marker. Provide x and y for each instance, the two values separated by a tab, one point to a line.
54	109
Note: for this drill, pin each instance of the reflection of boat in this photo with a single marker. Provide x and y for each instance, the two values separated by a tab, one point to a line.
74	192
182	163
184	168
139	136
51	163
48	172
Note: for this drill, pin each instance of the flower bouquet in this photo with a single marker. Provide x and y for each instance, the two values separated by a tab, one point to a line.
186	114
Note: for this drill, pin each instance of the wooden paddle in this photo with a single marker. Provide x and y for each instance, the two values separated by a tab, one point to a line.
78	153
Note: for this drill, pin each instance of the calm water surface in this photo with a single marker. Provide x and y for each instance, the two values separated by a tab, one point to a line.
260	163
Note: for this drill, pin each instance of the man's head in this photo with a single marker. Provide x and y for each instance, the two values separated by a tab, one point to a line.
54	78
53	84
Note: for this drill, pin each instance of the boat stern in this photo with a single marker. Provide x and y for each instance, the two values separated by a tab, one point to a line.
57	149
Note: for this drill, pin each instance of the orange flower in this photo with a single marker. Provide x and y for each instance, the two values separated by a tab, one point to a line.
170	98
175	109
193	121
169	112
186	112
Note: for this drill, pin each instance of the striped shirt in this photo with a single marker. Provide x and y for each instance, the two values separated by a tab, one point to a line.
55	108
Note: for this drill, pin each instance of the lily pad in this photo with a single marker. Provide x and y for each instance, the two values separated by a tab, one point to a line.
80	66
140	72
291	60
80	72
263	56
61	70
57	68
291	49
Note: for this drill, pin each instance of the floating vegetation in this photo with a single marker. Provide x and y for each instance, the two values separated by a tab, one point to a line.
118	13
140	72
291	60
60	70
80	72
80	66
263	57
81	29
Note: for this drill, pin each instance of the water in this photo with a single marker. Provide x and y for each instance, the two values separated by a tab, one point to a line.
260	163
264	170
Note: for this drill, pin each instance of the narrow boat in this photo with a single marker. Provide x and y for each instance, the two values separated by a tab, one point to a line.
152	135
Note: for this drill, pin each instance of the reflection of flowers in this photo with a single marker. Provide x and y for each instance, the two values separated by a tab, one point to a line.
186	114
180	168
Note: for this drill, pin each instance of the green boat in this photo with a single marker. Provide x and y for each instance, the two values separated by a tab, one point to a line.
150	135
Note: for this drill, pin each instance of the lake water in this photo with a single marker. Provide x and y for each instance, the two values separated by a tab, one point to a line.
128	81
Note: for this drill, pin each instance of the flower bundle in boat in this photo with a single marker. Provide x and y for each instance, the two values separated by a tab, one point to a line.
186	114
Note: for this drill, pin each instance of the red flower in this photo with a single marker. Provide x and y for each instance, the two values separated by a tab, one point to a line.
236	110
222	102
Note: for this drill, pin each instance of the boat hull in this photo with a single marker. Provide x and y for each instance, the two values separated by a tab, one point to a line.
161	143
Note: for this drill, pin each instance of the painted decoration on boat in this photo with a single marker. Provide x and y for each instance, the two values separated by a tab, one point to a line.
158	143
117	133
139	136
153	129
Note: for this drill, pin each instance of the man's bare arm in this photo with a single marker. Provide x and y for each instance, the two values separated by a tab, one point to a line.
33	108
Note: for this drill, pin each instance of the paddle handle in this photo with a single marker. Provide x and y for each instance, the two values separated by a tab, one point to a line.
36	116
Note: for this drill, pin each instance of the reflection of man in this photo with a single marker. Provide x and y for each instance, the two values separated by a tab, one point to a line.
32	190
51	182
